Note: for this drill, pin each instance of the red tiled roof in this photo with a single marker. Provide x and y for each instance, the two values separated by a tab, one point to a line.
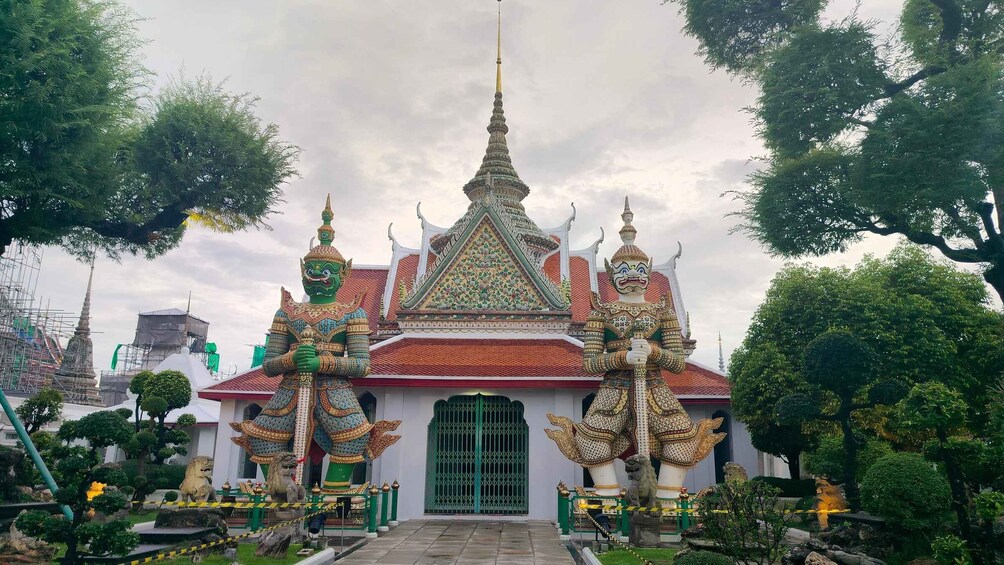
448	357
581	288
407	267
371	281
552	267
417	361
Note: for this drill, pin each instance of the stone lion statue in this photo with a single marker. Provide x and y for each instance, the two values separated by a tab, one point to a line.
828	497
197	486
280	481
735	473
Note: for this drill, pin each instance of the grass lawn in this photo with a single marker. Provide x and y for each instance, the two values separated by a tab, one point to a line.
245	555
622	557
135	518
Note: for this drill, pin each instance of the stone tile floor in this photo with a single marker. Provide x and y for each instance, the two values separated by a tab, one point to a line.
442	542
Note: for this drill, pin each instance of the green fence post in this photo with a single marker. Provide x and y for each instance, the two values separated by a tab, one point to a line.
256	499
393	503
563	517
384	507
684	509
625	516
371	518
22	434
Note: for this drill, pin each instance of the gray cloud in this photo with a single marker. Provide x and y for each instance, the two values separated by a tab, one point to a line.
389	103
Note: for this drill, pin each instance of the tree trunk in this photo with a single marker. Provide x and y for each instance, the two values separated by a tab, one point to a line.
995	277
794	468
959	499
850	461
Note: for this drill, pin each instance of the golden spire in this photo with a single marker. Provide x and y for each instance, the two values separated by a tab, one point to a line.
498	60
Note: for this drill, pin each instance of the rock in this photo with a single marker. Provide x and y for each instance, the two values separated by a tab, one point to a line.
796	556
192	518
814	558
18	547
924	561
817	545
230	553
853	559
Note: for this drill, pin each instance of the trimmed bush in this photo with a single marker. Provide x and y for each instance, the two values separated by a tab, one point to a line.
908	492
827	460
701	558
160	476
793	488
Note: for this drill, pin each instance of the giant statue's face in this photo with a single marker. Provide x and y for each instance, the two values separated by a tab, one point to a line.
630	277
321	278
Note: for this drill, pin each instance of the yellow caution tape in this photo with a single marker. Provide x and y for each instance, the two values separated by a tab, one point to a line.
201	546
237	504
678	510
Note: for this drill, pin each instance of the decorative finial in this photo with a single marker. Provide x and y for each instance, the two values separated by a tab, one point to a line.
326	233
498	59
627	232
721	356
84	323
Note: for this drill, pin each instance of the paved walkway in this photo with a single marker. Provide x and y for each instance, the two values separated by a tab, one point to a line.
441	542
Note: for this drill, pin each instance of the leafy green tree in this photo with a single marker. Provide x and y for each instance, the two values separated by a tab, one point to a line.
934	407
924	319
761	376
163	392
87	164
909	493
828	459
78	466
867	137
843	374
43	408
136	387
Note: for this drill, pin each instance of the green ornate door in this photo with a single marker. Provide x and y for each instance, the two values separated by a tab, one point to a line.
477	460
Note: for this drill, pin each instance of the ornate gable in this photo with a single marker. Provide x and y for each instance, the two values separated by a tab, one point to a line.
486	269
484	276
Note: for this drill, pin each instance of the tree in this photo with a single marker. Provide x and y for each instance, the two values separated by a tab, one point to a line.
78	466
902	138
766	377
136	387
45	407
746	521
163	392
87	164
924	319
935	407
841	370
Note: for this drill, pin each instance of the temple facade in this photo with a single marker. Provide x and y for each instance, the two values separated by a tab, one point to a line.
475	337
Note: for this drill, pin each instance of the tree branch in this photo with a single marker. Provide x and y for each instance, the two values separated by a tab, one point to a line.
951	19
140	234
925	238
859	122
897	87
971	232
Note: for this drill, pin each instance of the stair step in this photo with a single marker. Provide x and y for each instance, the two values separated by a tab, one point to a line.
142	550
173	535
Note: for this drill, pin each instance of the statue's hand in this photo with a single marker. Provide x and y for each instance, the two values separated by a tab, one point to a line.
642	345
304	352
635	357
309	365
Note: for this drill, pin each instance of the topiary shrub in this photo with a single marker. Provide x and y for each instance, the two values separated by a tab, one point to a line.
908	492
701	558
827	460
171	496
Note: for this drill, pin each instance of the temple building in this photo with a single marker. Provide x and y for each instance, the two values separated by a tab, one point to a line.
75	377
475	338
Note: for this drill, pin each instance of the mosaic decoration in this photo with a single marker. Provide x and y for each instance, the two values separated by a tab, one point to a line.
485	276
336	351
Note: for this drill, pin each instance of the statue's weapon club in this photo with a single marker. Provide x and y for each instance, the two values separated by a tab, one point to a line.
640	398
304	400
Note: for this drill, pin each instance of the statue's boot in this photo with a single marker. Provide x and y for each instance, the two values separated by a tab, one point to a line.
339	476
671	481
605	479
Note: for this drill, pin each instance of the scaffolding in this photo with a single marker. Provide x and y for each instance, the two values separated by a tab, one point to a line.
31	336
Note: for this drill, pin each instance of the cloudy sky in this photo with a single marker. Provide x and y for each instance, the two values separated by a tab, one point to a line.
389	102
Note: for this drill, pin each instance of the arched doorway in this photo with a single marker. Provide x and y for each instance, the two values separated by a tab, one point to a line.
723	449
477	460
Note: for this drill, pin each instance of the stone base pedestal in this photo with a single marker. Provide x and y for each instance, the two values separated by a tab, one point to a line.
644	530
